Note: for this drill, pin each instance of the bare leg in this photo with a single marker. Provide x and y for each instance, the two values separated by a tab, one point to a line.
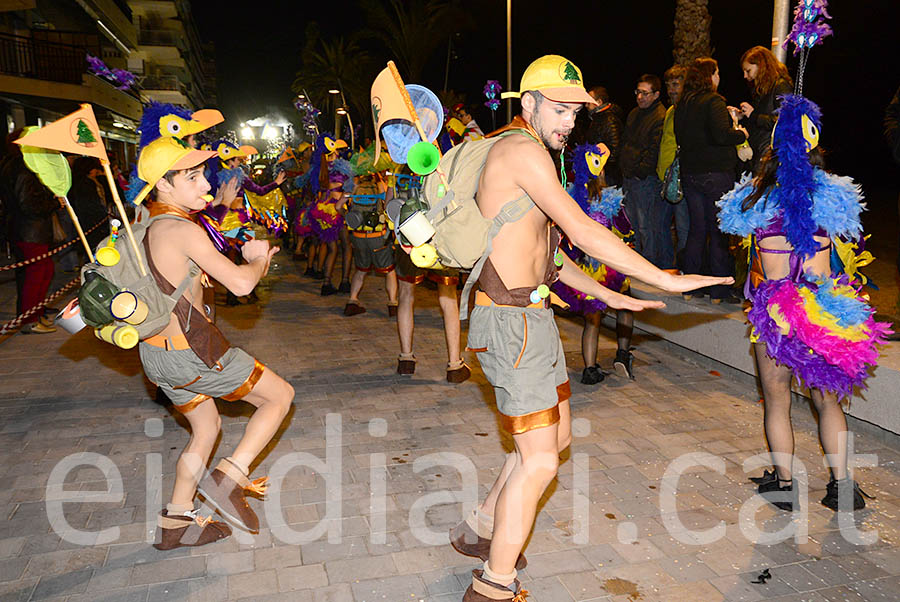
776	385
624	329
450	311
832	431
390	284
564	439
535	466
311	249
272	397
356	284
589	337
329	260
346	255
321	253
205	425
405	319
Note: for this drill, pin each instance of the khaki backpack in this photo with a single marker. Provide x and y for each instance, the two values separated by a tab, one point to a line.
463	236
126	276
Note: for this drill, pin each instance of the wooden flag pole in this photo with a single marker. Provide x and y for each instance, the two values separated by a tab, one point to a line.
77	223
127	224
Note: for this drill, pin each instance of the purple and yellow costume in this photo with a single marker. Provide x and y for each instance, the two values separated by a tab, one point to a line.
821	327
608	212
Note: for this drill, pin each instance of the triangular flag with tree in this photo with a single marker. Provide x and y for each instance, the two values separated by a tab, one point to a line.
75	133
388	102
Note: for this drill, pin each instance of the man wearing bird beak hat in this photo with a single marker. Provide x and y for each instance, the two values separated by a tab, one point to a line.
512	327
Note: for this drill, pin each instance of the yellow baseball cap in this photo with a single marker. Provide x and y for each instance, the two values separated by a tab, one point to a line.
163	155
556	77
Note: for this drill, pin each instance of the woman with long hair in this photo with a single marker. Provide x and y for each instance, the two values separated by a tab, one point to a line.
809	318
707	138
768	80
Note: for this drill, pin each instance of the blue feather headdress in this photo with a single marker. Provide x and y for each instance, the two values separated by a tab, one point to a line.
582	173
795	175
153	112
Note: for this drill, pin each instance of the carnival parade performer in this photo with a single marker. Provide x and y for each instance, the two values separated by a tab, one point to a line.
191	359
603	205
512	328
373	248
328	174
809	318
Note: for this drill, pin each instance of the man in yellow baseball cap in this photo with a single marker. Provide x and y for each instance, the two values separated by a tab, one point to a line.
192	361
512	328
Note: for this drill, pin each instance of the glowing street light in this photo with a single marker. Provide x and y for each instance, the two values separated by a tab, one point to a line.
334	91
342	111
247	133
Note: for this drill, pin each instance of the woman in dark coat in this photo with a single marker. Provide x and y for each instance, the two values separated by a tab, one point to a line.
707	139
768	79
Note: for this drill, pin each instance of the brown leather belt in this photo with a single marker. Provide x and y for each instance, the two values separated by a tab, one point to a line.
481	298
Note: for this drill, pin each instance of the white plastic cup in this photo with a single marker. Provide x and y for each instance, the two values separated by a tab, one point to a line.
417	229
70	317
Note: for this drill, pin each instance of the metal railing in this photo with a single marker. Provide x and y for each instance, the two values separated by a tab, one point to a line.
42	60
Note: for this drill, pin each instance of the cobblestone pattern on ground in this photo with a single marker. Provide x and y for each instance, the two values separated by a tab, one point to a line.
62	395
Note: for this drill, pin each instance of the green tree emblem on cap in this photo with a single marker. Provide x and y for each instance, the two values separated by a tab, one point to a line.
85	136
571	74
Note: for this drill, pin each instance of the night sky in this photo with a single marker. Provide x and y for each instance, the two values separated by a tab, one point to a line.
852	75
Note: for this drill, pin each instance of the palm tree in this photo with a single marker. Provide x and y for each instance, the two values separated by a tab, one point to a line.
691	39
412	30
328	64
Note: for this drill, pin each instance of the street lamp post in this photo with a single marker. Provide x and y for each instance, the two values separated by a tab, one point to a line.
337	119
509	58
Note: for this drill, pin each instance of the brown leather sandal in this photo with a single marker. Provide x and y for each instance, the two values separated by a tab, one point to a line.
188	531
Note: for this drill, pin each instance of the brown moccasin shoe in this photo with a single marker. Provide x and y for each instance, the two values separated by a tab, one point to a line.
468	543
459	374
483	590
188	531
354	309
225	487
406	365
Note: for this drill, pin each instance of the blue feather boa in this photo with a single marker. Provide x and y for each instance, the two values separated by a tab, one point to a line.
836	207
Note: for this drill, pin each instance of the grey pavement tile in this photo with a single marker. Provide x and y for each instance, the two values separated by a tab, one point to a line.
301	577
859	568
52	586
828	571
172	569
138	593
878	590
401	587
259	583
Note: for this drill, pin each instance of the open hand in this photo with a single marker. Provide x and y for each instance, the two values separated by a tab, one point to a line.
619	301
280	178
690	282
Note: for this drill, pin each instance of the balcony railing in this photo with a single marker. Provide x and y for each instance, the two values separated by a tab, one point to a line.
161	37
164	82
52	61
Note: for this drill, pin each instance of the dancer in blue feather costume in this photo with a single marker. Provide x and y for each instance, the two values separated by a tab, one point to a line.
605	207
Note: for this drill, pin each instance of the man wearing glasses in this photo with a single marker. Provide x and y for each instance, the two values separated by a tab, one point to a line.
639	154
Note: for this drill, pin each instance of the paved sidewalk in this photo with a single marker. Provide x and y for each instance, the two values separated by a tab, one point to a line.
600	535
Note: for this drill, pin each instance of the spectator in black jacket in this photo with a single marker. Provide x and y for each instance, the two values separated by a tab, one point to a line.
638	157
606	127
31	205
706	138
768	79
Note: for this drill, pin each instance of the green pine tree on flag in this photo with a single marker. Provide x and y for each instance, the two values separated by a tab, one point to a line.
85	136
571	74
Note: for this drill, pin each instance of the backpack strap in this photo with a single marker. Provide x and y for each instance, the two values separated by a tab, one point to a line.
193	269
510	212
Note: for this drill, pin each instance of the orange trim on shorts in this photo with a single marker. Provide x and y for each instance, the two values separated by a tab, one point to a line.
524	341
445	280
248	385
184	408
412	279
516	425
387	270
563	391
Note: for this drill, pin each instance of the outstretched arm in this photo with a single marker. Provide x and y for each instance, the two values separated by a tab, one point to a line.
571	275
538	179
